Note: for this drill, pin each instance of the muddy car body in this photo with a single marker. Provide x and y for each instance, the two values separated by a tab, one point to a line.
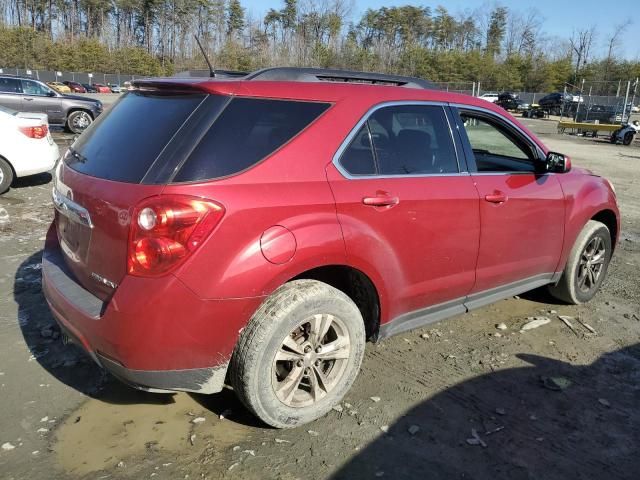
259	230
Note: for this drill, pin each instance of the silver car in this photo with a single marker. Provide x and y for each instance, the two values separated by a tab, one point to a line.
73	112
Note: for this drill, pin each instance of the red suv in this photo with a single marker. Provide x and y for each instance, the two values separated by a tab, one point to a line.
260	230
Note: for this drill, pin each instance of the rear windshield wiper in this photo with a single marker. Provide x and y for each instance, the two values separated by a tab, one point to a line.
75	157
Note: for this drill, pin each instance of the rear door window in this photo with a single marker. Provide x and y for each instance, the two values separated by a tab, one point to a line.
412	140
9	85
123	143
247	131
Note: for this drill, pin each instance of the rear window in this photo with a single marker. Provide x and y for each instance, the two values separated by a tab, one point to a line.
247	131
125	141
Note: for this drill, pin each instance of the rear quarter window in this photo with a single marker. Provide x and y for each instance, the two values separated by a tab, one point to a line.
247	131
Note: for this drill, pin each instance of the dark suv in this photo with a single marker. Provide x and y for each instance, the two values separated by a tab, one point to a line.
73	112
257	231
509	101
557	103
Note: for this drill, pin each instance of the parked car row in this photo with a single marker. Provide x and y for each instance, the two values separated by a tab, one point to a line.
68	87
560	103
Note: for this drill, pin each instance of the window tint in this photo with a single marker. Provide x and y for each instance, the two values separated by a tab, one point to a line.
9	85
247	131
358	158
124	142
29	87
494	148
411	140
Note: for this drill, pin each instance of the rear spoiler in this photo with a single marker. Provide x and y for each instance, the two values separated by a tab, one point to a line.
167	84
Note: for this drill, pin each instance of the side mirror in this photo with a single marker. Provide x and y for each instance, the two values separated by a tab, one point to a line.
557	162
51	93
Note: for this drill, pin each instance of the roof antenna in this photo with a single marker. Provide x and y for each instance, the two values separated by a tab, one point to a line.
212	72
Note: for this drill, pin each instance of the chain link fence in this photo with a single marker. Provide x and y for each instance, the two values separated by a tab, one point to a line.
609	94
80	77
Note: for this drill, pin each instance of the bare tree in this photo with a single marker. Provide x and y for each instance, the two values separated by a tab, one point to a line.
613	43
581	42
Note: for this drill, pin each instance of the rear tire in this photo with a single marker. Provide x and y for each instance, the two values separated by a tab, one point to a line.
299	354
586	266
6	175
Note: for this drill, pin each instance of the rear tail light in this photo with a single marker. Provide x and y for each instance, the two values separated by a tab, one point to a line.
38	132
166	229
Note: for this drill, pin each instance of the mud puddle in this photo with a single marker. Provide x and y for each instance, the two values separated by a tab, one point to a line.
140	429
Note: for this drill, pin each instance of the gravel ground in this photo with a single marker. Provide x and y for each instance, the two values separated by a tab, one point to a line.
459	399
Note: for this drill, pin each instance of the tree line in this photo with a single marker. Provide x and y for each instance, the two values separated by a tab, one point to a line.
503	48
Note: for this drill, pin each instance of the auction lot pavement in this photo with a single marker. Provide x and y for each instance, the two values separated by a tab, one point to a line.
460	399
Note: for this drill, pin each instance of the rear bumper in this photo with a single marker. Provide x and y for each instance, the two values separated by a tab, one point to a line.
40	157
153	334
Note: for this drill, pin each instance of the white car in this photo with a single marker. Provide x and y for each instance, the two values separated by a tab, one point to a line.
26	146
489	97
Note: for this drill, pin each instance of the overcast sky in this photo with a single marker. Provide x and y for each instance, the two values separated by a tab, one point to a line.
560	17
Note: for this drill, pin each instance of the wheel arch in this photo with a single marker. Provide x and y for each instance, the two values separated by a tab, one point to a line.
588	197
609	218
356	285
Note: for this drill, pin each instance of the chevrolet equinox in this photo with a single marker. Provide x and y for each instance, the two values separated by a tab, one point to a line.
257	231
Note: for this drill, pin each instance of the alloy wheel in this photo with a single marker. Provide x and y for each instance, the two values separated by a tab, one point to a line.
591	264
311	360
81	121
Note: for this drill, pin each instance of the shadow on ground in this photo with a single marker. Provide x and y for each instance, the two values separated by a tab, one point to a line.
548	420
32	180
67	363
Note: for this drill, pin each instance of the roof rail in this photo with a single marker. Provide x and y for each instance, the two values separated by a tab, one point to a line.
207	74
300	74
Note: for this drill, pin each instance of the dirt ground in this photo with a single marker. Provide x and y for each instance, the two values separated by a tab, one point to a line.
460	399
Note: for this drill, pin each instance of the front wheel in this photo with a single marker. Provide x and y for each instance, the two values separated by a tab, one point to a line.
628	138
586	266
299	354
78	121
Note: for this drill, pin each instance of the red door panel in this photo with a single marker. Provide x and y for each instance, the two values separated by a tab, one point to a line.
522	227
419	234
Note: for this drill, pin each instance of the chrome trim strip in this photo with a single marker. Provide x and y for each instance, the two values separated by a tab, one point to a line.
71	209
347	141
